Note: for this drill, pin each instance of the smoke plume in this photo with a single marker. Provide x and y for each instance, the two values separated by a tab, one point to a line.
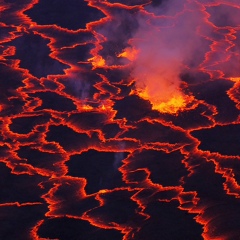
173	38
167	40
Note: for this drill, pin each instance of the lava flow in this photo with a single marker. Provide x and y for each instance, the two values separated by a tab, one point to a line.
120	120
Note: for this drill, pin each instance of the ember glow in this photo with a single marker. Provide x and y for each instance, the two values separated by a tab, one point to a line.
97	61
129	53
120	120
170	103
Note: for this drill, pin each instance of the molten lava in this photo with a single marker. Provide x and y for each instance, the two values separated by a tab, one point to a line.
97	61
129	53
170	104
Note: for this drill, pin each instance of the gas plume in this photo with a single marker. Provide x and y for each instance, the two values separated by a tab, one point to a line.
166	44
172	38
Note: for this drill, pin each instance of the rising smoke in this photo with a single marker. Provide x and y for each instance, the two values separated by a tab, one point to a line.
173	38
168	41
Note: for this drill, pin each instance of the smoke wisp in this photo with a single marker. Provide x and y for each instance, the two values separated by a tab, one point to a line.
172	38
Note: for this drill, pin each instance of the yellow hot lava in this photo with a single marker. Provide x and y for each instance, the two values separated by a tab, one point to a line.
235	79
97	61
87	107
129	53
102	191
172	105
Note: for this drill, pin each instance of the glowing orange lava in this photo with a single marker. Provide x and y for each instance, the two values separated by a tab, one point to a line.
175	103
129	53
235	79
97	61
87	107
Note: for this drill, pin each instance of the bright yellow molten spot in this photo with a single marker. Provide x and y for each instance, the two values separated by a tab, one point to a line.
87	107
103	107
97	61
235	79
172	105
102	191
129	53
